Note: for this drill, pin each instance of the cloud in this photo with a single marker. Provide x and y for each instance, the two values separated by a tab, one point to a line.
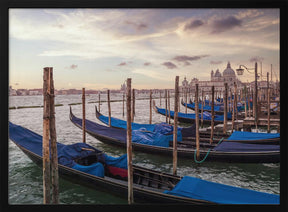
169	65
122	64
138	26
215	62
193	24
185	60
73	66
256	59
147	64
225	24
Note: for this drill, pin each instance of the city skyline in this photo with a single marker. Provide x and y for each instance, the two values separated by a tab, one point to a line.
101	48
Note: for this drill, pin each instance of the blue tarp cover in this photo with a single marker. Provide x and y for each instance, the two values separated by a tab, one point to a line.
206	115
115	122
120	162
162	128
219	193
139	136
239	135
66	153
243	147
150	138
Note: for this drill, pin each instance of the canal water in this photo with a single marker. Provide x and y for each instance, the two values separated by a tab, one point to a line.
25	178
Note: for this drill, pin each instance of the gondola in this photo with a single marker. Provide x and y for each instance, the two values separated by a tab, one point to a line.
190	117
161	145
190	132
86	165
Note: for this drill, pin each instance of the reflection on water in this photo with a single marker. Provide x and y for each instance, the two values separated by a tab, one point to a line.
25	178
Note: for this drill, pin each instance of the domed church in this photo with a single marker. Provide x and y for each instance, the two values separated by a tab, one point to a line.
228	76
218	80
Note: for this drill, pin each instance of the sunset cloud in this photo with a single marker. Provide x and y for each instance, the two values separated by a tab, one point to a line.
169	65
193	24
221	25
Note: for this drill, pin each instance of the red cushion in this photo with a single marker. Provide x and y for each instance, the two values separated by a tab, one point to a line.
118	171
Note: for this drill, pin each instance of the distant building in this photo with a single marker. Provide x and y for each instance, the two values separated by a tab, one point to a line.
12	92
217	79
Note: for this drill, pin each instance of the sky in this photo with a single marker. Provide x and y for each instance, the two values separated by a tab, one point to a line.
101	48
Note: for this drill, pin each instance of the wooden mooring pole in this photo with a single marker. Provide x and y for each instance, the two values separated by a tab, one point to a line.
50	168
233	107
99	100
175	125
169	116
45	138
133	105
150	105
197	122
129	143
123	113
245	99
268	104
202	104
166	112
212	112
225	108
186	101
109	107
83	116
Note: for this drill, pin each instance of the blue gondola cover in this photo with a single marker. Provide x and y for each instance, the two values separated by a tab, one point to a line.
196	188
66	153
239	135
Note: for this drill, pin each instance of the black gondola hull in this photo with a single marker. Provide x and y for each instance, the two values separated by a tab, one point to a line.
140	195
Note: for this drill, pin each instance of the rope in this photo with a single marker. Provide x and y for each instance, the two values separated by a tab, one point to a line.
195	159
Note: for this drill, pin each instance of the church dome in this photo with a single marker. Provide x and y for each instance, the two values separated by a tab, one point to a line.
229	71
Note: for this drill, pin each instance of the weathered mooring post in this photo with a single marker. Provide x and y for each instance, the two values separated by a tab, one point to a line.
166	112
99	100
175	125
225	108
197	122
150	105
45	138
49	130
212	111
268	103
109	107
83	116
202	118
123	113
129	143
133	105
169	116
233	107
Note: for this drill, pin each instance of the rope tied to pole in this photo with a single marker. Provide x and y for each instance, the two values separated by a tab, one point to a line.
201	161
